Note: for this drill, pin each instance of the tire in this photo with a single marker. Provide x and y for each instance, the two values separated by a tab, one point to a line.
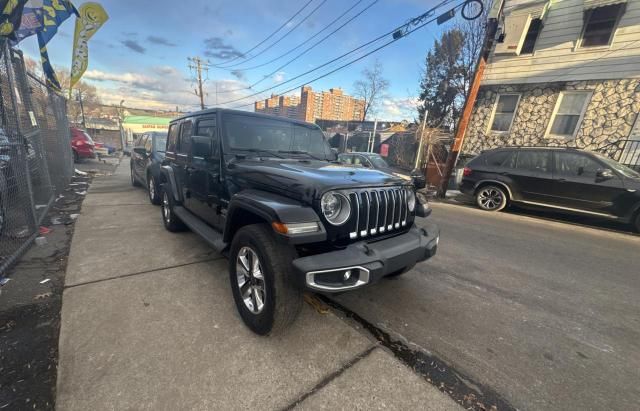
491	198
636	224
134	181
281	297
152	189
171	221
76	157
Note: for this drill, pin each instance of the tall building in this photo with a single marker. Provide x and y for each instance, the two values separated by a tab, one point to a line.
311	105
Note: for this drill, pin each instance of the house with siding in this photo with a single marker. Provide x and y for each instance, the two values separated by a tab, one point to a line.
561	73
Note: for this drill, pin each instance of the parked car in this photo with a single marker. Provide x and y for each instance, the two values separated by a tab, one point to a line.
146	159
82	144
564	179
375	161
268	191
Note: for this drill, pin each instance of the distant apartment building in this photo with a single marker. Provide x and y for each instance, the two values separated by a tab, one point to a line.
562	72
311	105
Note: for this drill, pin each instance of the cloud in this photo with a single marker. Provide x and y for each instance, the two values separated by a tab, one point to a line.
133	45
217	48
394	108
161	41
239	74
279	77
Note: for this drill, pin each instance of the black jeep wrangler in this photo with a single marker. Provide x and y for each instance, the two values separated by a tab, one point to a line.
268	192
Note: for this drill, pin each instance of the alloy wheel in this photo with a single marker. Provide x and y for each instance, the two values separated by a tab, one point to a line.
490	198
166	210
250	279
152	189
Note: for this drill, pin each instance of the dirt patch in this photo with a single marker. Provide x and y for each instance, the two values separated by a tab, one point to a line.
30	303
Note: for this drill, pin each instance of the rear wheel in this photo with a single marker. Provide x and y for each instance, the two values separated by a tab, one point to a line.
262	280
637	223
134	181
491	198
154	196
170	220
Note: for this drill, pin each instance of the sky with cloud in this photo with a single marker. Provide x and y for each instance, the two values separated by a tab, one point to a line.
141	54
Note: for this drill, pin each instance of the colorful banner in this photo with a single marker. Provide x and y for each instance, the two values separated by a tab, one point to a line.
92	17
10	17
31	20
55	12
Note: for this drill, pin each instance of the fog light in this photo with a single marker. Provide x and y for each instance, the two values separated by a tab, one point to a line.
347	275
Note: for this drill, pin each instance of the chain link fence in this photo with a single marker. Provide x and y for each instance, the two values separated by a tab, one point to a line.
36	161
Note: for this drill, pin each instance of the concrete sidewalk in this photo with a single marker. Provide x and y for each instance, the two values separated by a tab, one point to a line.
148	322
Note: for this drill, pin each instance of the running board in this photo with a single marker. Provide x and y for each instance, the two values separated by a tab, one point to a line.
211	236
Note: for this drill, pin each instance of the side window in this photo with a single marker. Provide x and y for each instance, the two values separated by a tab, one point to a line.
533	160
504	111
357	160
184	147
207	128
148	143
172	138
499	159
576	165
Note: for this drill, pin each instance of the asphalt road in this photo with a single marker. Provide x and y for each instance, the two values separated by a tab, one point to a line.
545	313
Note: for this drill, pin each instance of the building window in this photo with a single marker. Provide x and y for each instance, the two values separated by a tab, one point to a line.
599	25
532	36
504	112
568	113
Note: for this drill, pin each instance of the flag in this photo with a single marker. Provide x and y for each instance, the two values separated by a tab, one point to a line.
55	12
10	17
31	20
92	17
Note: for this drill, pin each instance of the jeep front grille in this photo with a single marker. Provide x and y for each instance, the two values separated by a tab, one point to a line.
377	210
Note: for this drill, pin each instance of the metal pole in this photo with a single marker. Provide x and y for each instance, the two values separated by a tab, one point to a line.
84	123
424	122
373	138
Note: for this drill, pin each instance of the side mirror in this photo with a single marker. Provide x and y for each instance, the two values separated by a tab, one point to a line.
604	174
201	147
140	150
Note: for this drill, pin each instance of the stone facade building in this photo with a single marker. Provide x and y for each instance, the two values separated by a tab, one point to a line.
567	73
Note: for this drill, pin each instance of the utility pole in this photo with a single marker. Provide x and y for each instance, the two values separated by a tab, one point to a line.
421	142
79	98
490	33
199	66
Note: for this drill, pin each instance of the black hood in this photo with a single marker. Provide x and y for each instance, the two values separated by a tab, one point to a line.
303	179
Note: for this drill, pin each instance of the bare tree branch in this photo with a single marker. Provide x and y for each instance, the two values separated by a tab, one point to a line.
371	88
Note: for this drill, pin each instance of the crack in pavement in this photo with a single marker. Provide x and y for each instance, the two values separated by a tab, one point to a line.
142	272
460	387
330	377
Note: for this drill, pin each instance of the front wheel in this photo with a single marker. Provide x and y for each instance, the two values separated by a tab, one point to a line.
134	181
262	280
154	196
171	221
491	198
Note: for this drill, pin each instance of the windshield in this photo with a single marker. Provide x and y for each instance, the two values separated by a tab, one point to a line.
622	169
378	162
270	135
160	142
88	137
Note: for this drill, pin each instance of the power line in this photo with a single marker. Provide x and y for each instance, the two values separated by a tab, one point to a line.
269	36
405	34
304	42
279	40
412	22
313	45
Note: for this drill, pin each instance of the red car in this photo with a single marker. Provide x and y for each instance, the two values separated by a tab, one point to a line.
82	144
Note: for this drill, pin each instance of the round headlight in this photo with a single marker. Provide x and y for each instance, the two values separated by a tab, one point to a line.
335	208
411	200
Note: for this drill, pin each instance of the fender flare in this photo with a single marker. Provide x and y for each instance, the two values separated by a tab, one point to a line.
170	179
500	183
273	207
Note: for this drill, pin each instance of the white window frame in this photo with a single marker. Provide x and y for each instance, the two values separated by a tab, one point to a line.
548	134
613	31
495	108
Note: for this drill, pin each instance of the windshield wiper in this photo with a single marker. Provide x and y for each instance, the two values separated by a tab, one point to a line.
300	152
258	150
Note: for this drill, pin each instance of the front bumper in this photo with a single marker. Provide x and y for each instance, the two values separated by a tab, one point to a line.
364	263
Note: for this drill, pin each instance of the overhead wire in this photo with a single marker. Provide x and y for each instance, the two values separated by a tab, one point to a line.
380	37
277	41
269	36
407	33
